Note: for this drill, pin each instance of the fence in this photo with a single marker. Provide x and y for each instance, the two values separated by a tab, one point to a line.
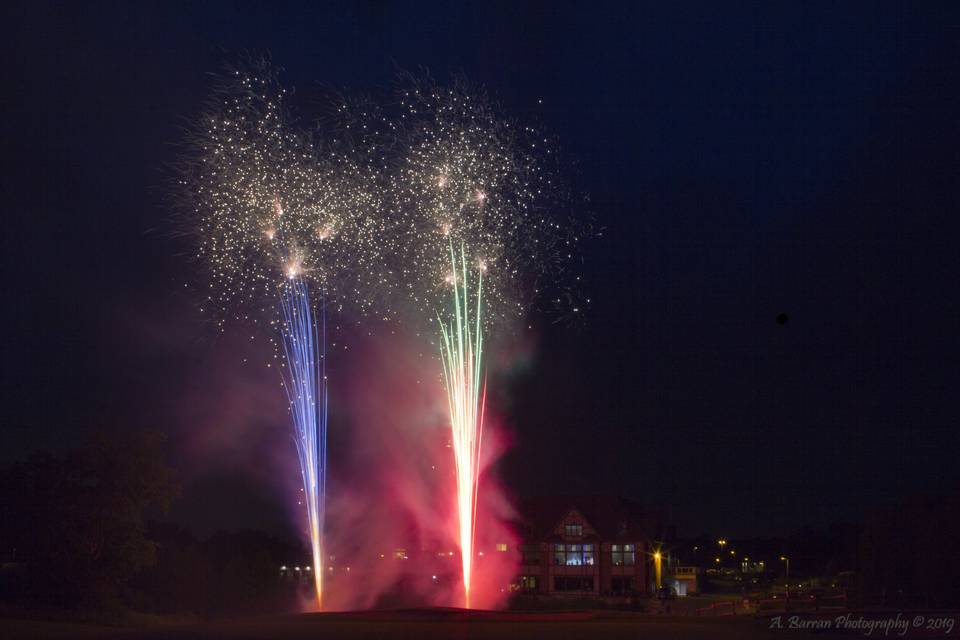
723	608
802	602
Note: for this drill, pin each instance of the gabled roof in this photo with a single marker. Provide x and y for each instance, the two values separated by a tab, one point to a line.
612	517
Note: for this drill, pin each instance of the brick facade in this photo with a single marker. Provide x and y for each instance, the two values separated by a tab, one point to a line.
583	547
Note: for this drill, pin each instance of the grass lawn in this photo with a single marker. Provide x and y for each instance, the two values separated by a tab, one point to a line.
420	624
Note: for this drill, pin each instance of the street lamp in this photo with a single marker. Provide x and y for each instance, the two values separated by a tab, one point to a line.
658	568
787	560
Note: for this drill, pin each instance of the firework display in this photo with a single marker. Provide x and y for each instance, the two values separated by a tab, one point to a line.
272	202
304	345
469	179
285	223
462	356
395	211
468	176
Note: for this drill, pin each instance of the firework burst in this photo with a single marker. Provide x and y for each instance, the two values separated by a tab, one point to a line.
285	222
369	219
467	177
268	201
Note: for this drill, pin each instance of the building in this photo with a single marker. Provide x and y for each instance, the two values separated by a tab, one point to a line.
684	580
587	546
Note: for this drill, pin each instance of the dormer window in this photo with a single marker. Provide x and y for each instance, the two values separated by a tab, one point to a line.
573	530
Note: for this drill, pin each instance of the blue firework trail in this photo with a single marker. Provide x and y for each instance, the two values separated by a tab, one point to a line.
305	382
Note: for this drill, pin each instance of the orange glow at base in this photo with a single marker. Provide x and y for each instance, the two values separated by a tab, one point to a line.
317	567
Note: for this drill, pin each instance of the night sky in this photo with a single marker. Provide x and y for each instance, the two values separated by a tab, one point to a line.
742	160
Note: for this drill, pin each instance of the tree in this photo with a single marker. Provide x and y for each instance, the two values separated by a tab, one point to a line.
908	555
78	519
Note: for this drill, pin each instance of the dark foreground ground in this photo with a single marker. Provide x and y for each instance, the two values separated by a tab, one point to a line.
424	625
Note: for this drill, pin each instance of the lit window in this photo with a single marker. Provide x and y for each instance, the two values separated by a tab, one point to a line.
573	555
588	554
623	555
573	530
501	546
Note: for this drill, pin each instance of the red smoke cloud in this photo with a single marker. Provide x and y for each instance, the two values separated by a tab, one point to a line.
391	501
391	486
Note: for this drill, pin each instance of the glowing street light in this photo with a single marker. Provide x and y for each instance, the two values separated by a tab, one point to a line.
658	567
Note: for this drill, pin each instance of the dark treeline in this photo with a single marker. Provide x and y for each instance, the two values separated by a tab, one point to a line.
905	554
75	533
228	573
909	553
